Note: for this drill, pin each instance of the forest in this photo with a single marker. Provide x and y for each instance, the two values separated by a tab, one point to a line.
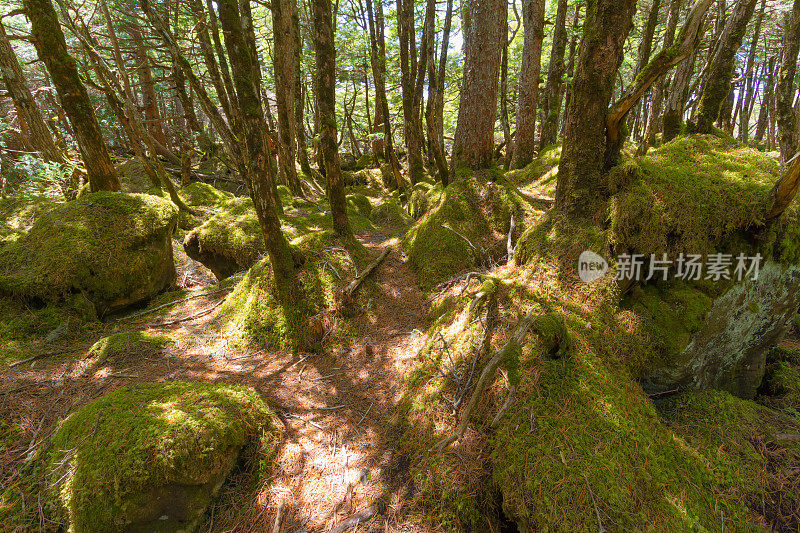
399	265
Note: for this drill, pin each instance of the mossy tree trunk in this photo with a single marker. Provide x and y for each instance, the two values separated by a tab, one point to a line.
435	110
52	50
570	69
252	129
528	88
720	72
785	89
657	101
35	129
300	104
325	87
581	169
485	29
284	18
551	98
655	70
766	102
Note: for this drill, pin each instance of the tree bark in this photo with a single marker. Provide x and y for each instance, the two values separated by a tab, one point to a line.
473	144
325	83
52	50
570	71
785	90
581	175
551	99
720	72
284	18
36	130
252	129
749	82
435	115
147	85
528	95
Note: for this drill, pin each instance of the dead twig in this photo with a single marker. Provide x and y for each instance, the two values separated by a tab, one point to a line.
280	517
511	346
356	519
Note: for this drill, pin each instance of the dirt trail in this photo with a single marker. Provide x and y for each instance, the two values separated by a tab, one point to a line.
337	407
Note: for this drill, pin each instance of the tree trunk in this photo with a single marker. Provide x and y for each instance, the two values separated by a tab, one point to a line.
645	50
252	129
651	73
300	105
52	50
284	18
766	101
473	145
570	71
149	99
653	121
36	130
325	84
551	99
785	90
528	97
436	84
207	50
581	175
720	72
408	77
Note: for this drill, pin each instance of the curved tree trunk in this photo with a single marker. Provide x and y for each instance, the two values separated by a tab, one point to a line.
52	50
720	72
252	130
473	145
528	98
36	130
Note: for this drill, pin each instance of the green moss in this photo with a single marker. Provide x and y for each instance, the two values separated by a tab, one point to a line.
133	178
390	212
360	204
18	213
232	240
203	194
137	343
690	194
252	316
467	228
109	453
780	387
108	246
545	166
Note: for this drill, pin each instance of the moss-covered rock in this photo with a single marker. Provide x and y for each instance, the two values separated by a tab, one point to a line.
132	177
467	228
110	249
252	316
202	194
780	388
130	343
231	241
150	457
360	204
390	212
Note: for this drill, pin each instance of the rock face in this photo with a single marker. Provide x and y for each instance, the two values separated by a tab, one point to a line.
728	350
103	251
151	457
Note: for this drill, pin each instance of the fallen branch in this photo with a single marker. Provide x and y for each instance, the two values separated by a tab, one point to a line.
279	518
352	287
513	344
355	520
788	436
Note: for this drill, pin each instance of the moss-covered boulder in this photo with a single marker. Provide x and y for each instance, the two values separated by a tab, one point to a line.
703	196
467	228
132	177
202	194
108	249
151	457
231	241
252	316
390	212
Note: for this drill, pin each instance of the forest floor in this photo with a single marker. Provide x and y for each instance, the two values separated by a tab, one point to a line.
336	458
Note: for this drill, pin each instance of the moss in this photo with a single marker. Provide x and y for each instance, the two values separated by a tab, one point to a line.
360	204
232	240
690	194
466	229
390	212
109	453
133	178
780	387
202	194
138	343
115	248
543	167
18	213
252	316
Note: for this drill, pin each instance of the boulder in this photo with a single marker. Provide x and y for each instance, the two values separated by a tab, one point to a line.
107	250
151	457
